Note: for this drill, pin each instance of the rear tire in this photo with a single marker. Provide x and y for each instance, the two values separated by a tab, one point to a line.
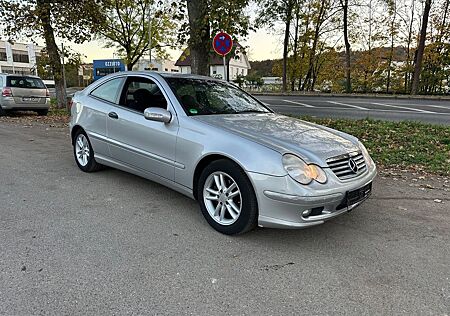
42	112
227	199
2	111
83	153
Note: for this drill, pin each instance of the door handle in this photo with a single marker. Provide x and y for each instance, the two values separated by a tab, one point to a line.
113	115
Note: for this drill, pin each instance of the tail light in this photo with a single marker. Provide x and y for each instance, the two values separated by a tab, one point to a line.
7	92
47	93
69	103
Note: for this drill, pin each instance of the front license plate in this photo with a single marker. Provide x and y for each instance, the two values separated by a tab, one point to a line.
30	99
359	195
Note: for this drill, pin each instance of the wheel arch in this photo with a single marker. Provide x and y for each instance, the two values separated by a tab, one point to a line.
205	161
73	132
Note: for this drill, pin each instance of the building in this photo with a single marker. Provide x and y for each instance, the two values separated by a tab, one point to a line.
238	65
161	65
272	80
19	58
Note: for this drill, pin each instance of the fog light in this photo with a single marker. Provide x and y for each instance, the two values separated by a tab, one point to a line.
306	213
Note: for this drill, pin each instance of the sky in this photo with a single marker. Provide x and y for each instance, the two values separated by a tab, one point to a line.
262	45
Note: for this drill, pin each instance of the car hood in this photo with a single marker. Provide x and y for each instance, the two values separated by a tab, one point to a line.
313	143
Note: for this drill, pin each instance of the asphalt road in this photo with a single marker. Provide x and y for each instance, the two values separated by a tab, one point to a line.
112	243
431	111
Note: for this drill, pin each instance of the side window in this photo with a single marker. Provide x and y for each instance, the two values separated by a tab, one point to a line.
140	93
108	91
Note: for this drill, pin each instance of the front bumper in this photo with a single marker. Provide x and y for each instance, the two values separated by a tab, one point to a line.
282	201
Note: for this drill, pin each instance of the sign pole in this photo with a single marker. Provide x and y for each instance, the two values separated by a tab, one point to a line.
225	70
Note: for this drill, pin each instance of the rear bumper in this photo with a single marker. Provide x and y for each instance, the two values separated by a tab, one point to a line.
282	201
8	103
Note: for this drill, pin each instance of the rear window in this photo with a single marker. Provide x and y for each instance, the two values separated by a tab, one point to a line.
24	82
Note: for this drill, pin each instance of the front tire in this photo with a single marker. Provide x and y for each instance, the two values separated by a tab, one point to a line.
227	199
83	153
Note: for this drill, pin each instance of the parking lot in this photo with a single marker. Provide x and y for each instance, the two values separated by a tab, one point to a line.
113	243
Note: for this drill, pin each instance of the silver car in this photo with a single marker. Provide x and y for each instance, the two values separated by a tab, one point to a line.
211	141
23	93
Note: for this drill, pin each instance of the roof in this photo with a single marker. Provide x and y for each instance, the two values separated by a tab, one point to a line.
163	75
215	59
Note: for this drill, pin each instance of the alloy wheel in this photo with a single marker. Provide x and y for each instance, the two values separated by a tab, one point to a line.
222	198
82	150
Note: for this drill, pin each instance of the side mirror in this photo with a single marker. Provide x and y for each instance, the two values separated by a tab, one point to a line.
157	115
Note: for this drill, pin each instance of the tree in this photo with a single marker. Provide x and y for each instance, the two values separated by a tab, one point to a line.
127	23
348	84
199	36
205	18
73	20
274	11
420	48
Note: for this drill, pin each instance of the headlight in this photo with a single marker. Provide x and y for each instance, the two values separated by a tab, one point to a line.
301	172
366	154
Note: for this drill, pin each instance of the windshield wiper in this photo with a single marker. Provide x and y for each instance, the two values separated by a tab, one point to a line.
251	111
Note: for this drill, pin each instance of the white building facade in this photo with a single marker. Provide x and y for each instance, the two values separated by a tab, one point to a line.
238	65
160	65
19	58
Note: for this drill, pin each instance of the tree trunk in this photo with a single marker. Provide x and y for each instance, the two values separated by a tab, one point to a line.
43	9
199	41
286	45
295	55
312	56
391	52
408	50
348	83
421	48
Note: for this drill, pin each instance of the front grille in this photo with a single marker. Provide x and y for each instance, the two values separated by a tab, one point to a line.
340	165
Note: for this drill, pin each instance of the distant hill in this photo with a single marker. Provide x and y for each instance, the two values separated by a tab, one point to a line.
262	68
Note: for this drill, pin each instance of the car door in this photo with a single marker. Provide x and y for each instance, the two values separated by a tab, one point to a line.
95	111
140	143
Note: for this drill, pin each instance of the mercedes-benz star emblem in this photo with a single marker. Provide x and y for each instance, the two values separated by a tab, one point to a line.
353	165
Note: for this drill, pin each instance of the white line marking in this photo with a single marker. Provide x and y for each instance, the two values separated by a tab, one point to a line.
345	104
303	104
410	104
404	107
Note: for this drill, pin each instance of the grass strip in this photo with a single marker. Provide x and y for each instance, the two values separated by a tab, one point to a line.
408	145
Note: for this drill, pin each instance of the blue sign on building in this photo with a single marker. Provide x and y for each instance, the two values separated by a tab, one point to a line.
103	67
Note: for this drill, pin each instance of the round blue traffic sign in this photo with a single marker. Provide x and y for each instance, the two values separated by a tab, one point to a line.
222	43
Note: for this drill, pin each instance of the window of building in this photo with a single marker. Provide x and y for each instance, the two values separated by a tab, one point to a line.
20	58
3	56
108	91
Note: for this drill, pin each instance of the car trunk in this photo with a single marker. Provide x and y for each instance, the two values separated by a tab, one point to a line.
27	90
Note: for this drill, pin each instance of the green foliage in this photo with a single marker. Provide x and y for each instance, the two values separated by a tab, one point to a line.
220	15
74	20
126	27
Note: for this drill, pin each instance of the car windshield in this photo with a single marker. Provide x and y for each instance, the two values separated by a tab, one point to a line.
25	82
203	97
